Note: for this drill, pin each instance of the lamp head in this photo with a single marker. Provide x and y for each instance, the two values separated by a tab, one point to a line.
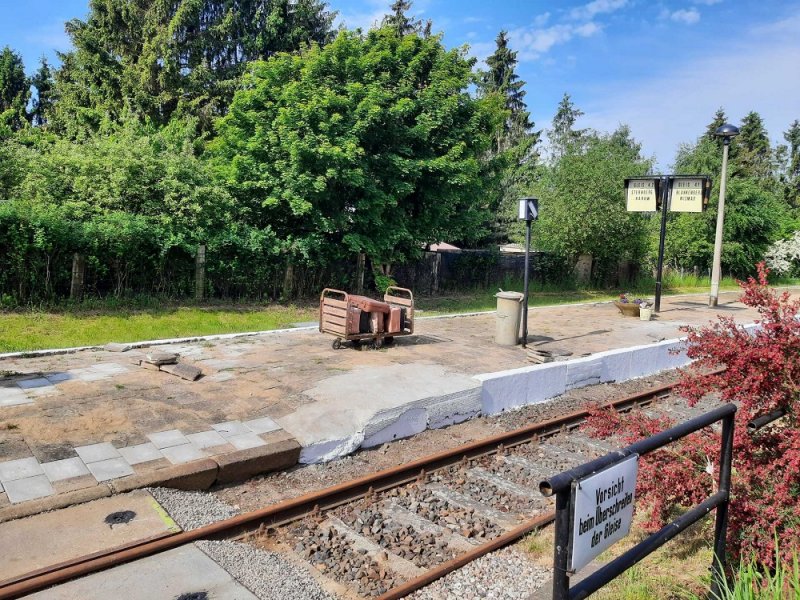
727	132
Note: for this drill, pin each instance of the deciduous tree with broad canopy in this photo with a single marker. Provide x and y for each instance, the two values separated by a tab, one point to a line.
370	144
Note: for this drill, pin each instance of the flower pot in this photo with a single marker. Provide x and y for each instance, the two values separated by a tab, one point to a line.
645	314
628	309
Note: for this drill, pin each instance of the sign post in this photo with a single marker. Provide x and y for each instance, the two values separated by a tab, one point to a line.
529	212
673	193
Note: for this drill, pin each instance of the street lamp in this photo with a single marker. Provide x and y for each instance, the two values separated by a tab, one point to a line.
528	212
727	133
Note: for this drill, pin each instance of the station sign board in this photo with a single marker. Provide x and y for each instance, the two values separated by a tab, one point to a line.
641	194
689	193
603	510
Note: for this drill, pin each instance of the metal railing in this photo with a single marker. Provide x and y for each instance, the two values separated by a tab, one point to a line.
561	486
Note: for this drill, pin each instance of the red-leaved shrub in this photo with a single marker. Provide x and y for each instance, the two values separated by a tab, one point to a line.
762	375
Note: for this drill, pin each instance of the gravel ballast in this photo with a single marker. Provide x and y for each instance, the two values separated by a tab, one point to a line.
191	510
266	574
503	575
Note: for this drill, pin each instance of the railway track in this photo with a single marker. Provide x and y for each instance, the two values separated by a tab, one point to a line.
387	534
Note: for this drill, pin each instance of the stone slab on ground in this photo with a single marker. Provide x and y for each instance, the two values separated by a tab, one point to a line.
180	572
184	371
77	531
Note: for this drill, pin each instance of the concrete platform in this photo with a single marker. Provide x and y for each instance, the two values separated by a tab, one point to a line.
94	421
79	531
173	574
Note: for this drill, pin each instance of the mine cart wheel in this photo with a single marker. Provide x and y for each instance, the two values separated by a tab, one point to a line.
357	344
376	344
337	343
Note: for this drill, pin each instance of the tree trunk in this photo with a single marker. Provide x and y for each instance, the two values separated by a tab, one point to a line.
78	275
360	264
288	280
200	273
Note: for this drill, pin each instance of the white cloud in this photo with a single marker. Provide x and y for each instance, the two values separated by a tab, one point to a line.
749	73
365	19
592	9
707	2
532	43
688	16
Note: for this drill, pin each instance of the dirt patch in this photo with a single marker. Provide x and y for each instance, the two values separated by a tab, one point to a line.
77	428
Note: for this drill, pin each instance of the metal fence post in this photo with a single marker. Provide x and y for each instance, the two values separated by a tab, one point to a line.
560	579
721	524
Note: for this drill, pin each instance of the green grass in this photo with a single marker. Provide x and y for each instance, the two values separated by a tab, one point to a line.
753	582
33	330
673	572
97	322
550	295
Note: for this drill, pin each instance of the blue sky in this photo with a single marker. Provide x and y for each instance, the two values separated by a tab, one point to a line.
662	67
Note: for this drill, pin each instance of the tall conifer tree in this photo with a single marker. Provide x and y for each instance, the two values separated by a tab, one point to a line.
42	81
515	142
792	136
399	20
155	58
563	134
14	89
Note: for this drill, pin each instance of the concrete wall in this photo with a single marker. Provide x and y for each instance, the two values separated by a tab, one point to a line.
494	393
515	388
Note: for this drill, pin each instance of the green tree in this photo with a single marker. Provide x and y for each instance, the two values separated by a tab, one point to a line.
399	20
14	89
515	141
792	181
755	215
754	152
370	144
563	135
42	82
155	58
718	121
582	205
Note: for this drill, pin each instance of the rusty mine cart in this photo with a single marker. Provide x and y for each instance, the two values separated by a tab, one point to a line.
358	318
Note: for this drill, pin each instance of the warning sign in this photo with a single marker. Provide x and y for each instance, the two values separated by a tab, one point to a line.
603	510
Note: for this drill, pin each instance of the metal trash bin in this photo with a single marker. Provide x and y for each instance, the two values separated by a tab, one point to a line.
507	320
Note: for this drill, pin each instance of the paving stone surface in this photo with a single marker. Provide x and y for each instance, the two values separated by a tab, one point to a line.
206	439
141	453
111	468
97	452
19	469
246	440
231	428
29	384
252	384
65	469
182	454
29	488
13	397
58	377
263	425
166	439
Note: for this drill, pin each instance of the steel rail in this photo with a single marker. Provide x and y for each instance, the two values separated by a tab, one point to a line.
331	497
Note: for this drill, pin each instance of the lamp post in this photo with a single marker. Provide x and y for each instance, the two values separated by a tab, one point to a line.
727	133
529	212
